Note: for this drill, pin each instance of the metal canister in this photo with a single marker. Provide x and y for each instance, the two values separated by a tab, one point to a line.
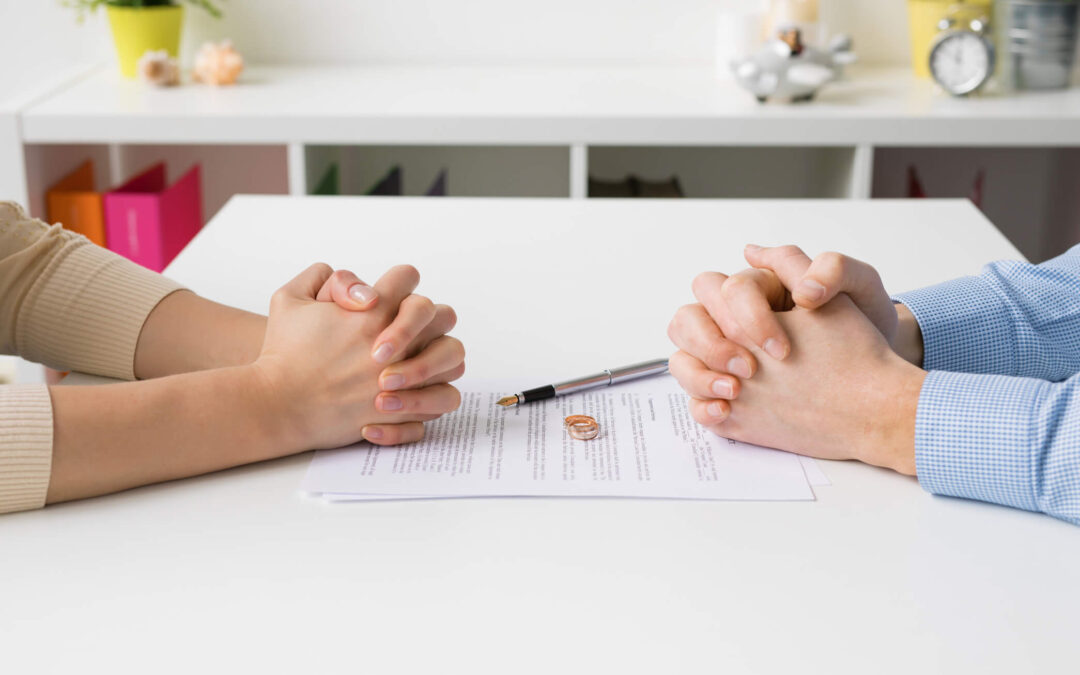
1039	42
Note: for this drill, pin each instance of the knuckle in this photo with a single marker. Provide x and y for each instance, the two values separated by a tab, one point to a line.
457	349
678	319
717	354
419	305
697	411
451	316
420	372
321	268
706	282
789	251
735	285
832	259
408	271
279	296
425	304
831	263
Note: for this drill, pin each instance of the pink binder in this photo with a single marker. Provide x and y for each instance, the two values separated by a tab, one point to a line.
148	222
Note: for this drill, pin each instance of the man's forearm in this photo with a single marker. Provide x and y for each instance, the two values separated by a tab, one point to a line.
187	333
119	436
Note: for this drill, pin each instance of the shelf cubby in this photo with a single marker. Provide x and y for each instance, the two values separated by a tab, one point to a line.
473	171
733	171
226	169
1027	192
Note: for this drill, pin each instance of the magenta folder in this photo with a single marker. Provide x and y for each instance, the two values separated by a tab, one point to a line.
148	222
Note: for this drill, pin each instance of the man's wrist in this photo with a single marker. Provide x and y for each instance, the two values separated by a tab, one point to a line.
893	447
909	342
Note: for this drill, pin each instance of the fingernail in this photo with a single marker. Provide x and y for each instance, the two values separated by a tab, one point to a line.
811	289
390	403
739	367
715	409
392	382
722	389
774	349
753	247
382	352
361	293
371	433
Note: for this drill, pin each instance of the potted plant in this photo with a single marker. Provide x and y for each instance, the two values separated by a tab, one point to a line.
139	26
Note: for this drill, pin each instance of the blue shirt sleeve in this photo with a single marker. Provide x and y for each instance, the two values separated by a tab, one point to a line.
1008	440
1014	319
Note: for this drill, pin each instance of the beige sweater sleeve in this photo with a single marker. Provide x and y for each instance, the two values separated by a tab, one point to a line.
68	304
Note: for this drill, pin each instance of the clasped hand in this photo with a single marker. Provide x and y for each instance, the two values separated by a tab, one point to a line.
803	356
343	361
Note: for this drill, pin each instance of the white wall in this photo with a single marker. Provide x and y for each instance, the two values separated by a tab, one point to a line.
39	34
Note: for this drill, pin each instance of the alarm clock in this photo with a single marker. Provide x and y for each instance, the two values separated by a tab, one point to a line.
962	56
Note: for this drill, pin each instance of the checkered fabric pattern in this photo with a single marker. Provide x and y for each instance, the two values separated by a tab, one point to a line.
999	414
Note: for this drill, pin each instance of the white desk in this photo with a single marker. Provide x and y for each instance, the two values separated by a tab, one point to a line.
239	570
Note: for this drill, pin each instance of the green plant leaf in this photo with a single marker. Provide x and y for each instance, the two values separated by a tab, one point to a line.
84	7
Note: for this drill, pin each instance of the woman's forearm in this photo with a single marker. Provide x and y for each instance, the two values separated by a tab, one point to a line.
114	437
187	333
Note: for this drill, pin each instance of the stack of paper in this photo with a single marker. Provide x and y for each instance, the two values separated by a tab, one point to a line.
648	446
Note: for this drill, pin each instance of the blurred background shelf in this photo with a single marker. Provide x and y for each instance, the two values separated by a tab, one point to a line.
528	131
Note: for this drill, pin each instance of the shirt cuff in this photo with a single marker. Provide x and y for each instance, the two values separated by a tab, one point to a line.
965	327
87	311
26	438
973	436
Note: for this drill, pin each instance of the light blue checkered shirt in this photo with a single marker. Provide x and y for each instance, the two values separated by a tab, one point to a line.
999	413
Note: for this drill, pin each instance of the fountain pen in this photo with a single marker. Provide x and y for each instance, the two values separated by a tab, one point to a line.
602	379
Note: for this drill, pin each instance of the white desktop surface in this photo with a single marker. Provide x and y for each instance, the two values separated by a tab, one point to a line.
239	572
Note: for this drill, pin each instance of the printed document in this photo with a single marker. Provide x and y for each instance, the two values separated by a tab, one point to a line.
648	446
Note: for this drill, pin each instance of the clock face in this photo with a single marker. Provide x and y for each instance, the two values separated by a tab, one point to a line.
961	62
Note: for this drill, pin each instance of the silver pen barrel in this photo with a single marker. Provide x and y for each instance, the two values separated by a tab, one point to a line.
583	383
638	370
610	377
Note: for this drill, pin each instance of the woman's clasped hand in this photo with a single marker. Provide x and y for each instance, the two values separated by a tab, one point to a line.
343	362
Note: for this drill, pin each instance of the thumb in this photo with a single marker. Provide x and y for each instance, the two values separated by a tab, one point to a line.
833	273
347	291
305	286
788	263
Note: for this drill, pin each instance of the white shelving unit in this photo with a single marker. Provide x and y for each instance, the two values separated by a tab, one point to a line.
542	131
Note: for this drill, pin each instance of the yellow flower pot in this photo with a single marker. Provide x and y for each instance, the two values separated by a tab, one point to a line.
137	30
923	16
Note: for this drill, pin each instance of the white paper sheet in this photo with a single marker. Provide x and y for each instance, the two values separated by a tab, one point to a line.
649	446
814	475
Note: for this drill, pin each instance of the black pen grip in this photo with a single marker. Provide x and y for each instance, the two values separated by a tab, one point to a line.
538	394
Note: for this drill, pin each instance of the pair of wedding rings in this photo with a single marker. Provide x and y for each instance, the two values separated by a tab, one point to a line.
582	427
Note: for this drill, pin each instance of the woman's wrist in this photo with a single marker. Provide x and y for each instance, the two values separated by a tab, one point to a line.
274	409
186	333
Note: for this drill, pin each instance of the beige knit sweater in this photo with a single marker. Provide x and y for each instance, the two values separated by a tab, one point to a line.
68	304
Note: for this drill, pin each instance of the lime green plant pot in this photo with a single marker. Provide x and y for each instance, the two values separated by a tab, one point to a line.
137	30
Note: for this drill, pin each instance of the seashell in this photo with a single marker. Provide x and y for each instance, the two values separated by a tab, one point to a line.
218	64
157	68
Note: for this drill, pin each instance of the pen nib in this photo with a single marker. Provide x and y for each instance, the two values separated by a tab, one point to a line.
507	401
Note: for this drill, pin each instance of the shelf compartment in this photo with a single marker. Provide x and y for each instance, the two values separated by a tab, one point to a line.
473	171
226	169
1027	193
733	172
